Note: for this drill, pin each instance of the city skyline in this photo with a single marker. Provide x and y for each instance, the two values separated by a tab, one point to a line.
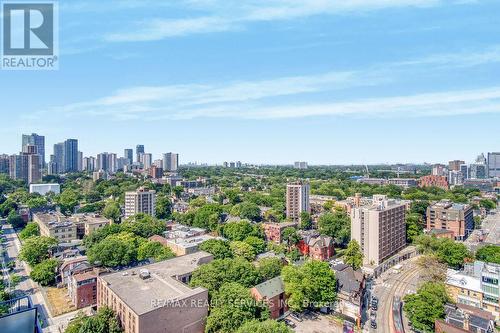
268	82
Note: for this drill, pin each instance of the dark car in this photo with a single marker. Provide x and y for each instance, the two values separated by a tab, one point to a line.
373	324
296	316
290	323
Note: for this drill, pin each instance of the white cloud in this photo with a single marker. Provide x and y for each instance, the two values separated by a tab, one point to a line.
221	16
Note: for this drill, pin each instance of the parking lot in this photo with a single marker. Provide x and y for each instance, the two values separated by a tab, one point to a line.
316	323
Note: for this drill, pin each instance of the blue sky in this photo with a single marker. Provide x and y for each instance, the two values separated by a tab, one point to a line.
329	82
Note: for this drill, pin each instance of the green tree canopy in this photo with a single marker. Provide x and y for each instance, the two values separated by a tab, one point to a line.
30	230
427	305
353	255
112	211
258	244
312	283
45	272
115	250
489	253
238	231
250	211
154	250
15	220
242	249
36	249
105	321
336	225
219	248
269	268
144	225
305	221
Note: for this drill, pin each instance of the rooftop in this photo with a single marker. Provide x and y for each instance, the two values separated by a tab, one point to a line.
461	280
271	288
161	285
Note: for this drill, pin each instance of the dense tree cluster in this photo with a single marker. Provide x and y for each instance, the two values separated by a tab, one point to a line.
446	250
427	305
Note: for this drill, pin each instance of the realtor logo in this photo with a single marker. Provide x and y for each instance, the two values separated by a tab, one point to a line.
29	35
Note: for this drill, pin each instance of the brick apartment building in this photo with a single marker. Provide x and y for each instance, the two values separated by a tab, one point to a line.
274	231
83	289
156	298
433	180
446	215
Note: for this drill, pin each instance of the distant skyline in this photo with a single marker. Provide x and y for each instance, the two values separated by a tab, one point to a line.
268	82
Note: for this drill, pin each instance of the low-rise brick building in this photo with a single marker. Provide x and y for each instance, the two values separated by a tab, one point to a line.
274	231
272	293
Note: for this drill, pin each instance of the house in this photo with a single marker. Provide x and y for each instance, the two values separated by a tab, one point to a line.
274	231
350	291
272	293
183	240
442	233
465	318
316	246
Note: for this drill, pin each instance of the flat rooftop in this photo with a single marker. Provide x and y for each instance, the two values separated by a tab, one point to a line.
144	295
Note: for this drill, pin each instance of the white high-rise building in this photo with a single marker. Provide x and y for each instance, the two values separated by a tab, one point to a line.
147	160
140	201
297	200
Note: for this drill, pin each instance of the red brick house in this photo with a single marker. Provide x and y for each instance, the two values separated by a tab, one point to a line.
431	180
316	246
272	293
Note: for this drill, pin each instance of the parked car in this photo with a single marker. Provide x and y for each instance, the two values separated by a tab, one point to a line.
373	324
290	323
296	316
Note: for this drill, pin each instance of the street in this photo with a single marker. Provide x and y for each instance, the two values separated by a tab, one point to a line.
391	284
28	287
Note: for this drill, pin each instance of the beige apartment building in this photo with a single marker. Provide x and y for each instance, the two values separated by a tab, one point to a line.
156	298
140	201
297	200
68	228
379	228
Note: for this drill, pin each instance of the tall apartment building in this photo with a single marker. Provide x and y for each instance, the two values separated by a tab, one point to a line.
147	160
4	163
156	298
477	285
447	215
129	155
455	165
297	200
494	165
170	162
58	159
139	151
71	155
38	141
26	165
80	161
140	201
89	163
439	170
102	161
379	228
300	165
112	163
478	171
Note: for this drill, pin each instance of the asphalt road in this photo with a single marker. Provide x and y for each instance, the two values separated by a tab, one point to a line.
387	286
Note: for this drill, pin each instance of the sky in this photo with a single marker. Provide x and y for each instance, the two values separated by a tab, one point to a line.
271	82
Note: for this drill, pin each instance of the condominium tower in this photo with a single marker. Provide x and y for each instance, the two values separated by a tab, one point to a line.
379	228
297	200
140	201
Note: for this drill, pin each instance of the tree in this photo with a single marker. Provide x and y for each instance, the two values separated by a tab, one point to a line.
238	231
163	207
214	274
115	250
413	227
232	306
336	225
208	217
177	190
98	235
290	236
250	211
112	211
269	268
68	200
258	244
15	220
266	326
489	253
487	204
36	249
353	255
427	305
312	284
154	250
105	321
242	249
219	248
45	272
30	230
144	225
433	270
305	221
453	253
